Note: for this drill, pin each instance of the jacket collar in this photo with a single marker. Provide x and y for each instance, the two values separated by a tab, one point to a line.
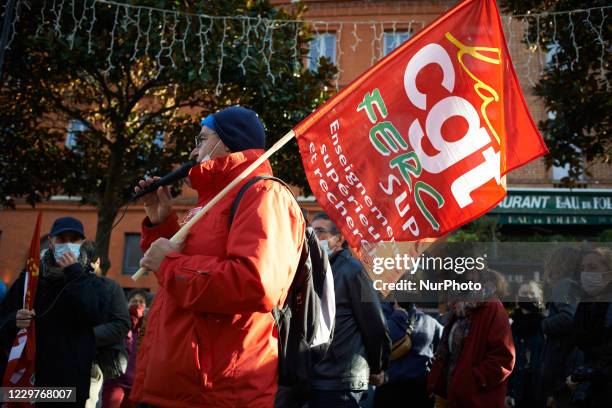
210	177
339	256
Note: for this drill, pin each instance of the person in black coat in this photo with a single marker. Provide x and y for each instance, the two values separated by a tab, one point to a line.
559	354
591	384
360	348
69	303
111	356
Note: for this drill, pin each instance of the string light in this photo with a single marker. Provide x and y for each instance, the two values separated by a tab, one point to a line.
339	57
138	35
109	59
58	18
573	37
256	36
42	19
602	43
357	38
184	39
162	42
16	19
91	26
219	85
246	39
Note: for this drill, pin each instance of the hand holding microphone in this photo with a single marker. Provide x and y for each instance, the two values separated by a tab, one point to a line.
158	203
155	194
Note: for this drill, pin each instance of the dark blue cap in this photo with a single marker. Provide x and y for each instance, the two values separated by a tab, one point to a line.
240	129
66	224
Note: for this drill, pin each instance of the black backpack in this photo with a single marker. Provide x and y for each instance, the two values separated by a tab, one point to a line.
305	322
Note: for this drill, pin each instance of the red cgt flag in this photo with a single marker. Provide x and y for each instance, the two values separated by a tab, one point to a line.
21	362
420	143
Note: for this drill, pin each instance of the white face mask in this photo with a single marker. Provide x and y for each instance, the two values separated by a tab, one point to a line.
60	249
326	248
593	282
207	157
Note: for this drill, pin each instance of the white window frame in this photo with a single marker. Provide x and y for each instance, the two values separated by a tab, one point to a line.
74	126
320	42
393	39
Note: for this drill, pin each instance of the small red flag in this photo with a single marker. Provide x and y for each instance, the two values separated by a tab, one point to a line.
420	144
21	362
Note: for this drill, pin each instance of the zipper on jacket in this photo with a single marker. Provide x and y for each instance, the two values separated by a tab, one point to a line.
194	271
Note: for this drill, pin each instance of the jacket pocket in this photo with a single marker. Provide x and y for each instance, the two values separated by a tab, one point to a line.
219	349
202	351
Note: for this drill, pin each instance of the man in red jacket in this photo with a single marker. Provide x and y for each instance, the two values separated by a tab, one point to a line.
210	339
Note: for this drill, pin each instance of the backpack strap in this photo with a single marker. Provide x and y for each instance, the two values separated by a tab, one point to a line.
277	312
245	187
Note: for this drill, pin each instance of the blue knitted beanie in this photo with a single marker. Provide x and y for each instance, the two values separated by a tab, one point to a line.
239	129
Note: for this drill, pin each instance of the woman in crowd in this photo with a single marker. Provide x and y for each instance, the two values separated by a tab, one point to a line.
476	354
591	384
116	392
528	340
559	356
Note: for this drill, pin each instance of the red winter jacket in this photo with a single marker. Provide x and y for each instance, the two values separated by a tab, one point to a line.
210	339
486	361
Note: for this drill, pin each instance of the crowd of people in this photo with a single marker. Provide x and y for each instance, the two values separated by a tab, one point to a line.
209	338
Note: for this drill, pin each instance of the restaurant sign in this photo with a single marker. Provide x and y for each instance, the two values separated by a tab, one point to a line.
555	207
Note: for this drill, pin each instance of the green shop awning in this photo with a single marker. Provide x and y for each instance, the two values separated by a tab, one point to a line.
555	206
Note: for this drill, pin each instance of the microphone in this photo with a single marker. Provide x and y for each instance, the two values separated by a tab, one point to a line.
169	178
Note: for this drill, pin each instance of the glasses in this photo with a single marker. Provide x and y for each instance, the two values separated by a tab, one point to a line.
322	231
198	142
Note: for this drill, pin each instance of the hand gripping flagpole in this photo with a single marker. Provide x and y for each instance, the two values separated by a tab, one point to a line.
182	233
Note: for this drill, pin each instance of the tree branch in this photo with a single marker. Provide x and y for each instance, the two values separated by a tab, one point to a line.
74	114
161	111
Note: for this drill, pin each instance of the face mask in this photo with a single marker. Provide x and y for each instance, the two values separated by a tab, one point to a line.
326	248
207	157
61	249
137	310
528	304
592	282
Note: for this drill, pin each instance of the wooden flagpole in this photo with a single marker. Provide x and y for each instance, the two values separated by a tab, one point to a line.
182	233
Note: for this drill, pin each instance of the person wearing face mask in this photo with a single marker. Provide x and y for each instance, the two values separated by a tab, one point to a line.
528	341
361	345
559	355
591	385
476	354
210	337
111	355
116	391
69	303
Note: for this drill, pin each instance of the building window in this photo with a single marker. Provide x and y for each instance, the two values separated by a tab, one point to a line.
552	59
159	139
394	39
74	127
323	45
559	173
132	254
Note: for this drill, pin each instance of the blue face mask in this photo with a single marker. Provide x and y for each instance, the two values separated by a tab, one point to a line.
61	249
325	245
